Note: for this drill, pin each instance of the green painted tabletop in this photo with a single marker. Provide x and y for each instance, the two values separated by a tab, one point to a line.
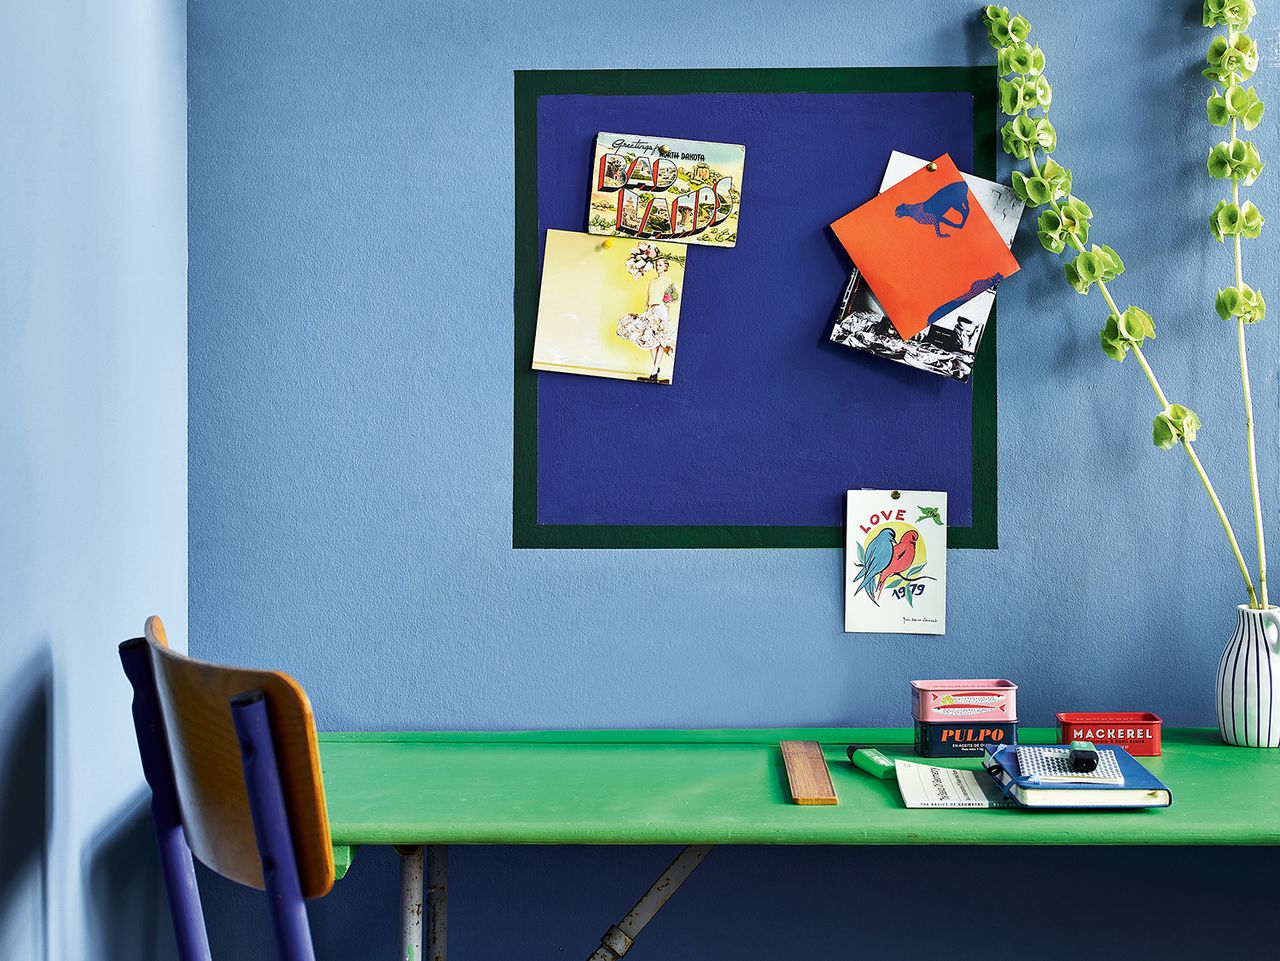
729	787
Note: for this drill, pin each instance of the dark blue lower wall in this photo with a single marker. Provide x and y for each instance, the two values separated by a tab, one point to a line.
544	904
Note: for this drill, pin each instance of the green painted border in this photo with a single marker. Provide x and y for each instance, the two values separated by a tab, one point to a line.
532	84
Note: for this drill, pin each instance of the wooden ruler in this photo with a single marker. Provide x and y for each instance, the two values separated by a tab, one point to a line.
807	773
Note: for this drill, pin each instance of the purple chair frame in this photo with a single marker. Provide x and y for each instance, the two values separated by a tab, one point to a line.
266	803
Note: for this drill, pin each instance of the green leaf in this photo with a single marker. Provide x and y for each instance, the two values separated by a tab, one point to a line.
1075	218
1250	306
1015	58
997	21
1039	191
1185	420
1055	172
1227	303
1036	66
1080	207
1050	232
1046	136
1032	190
1136	325
1173	424
1072	272
1220	161
1043	92
1250	220
1120	334
1216	110
1251	116
1113	344
1224	222
1112	265
1229	13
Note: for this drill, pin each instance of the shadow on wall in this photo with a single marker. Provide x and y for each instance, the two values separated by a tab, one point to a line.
126	909
26	797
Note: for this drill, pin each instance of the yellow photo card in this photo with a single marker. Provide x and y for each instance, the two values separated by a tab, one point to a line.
609	307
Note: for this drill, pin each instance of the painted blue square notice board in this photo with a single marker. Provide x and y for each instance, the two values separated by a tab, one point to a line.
768	423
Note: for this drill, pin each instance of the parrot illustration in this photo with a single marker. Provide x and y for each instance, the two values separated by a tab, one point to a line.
878	557
904	554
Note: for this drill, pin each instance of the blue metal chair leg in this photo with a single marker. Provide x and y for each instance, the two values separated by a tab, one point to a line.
175	855
271	826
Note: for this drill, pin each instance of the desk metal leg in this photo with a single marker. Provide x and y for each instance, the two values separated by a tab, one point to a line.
438	902
410	903
618	940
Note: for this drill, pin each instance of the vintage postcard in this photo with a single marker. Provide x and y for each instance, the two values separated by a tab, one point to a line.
609	307
657	188
925	246
895	562
949	345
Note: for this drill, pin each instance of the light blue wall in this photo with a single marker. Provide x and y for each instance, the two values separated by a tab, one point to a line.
93	454
351	441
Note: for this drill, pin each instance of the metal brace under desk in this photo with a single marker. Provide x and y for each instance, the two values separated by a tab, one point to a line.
701	788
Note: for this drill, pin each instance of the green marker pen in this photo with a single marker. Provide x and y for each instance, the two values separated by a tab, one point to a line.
872	761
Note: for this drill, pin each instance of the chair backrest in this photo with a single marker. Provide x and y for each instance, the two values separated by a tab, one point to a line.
208	770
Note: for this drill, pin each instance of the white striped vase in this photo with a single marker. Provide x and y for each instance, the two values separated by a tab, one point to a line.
1249	680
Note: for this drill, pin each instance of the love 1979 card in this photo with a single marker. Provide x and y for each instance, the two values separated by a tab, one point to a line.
662	188
895	562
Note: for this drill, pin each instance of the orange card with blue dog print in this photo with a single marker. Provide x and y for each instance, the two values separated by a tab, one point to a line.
925	246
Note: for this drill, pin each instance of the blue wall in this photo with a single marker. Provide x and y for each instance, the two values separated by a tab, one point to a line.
350	448
93	456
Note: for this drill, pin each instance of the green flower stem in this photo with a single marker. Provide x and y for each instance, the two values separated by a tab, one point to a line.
1250	433
1222	516
1253	462
1164	403
1199	467
1023	88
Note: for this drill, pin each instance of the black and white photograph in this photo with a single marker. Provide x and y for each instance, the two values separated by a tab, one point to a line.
947	346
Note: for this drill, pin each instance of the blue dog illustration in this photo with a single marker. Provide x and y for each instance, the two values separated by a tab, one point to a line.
987	283
933	212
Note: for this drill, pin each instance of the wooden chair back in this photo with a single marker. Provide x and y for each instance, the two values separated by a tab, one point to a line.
208	770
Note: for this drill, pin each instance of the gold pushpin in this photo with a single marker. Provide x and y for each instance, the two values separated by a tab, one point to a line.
932	165
896	494
664	149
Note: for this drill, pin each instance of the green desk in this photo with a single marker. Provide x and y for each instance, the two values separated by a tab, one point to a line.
702	788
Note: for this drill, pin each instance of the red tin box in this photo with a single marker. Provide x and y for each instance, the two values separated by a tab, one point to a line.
986	699
1138	732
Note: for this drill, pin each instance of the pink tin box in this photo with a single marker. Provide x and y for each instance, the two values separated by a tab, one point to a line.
988	699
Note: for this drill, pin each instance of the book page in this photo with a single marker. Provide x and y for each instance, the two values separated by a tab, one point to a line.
930	786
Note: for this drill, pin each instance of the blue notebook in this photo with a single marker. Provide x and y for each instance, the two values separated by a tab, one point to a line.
1141	788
